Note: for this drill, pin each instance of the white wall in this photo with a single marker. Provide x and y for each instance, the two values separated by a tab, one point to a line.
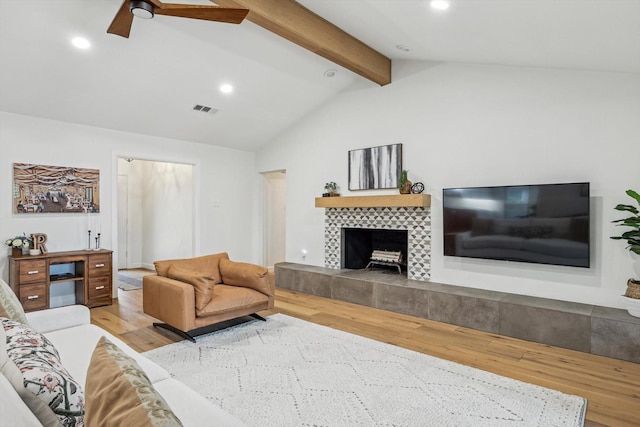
473	125
275	192
224	177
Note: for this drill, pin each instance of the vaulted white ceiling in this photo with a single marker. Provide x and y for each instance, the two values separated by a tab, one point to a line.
150	82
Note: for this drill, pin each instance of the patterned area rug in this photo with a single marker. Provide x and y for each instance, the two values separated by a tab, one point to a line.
288	372
129	280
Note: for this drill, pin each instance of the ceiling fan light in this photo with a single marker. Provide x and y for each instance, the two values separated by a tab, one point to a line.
141	9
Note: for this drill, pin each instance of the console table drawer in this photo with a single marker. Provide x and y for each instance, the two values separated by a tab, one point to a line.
100	287
32	271
34	297
99	265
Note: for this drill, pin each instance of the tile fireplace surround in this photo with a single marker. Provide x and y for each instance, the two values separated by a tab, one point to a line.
416	220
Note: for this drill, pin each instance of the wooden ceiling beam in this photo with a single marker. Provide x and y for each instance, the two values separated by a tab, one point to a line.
294	22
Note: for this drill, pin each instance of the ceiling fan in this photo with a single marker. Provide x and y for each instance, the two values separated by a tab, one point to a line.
121	24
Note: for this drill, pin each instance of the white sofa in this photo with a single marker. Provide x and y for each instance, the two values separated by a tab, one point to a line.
70	331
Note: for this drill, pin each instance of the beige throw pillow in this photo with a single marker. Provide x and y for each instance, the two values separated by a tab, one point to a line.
119	393
10	306
202	283
245	275
205	264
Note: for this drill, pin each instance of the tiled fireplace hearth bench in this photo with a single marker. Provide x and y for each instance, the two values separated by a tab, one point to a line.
588	328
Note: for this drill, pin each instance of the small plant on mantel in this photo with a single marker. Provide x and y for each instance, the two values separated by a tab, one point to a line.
331	188
632	237
403	183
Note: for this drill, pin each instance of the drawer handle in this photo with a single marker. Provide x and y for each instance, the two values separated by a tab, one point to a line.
99	287
33	297
99	265
33	272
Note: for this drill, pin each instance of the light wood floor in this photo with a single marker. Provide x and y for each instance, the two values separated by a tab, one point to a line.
612	387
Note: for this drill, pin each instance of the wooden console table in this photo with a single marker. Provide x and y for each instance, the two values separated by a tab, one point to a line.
31	277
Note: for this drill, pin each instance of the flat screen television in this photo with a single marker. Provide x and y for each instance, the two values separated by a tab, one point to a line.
543	224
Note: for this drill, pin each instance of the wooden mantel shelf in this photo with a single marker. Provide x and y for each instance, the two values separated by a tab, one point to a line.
395	200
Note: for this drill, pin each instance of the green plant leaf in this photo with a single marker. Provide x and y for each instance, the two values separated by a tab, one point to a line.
628	222
634	194
632	236
627	208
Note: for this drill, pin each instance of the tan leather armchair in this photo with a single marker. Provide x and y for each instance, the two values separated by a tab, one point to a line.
190	295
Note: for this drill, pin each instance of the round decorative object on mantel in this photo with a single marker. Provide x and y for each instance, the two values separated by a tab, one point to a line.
417	188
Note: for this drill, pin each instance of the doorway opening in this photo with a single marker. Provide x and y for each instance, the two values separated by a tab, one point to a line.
155	212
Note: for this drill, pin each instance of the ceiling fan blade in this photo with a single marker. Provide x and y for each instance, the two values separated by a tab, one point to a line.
207	13
121	24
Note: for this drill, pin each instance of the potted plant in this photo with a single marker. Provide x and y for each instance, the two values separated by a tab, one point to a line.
17	244
331	188
404	184
632	237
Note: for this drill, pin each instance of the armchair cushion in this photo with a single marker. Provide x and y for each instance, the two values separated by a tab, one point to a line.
205	264
232	298
202	283
245	275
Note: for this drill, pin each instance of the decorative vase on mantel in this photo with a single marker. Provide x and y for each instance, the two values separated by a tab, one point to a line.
405	184
406	187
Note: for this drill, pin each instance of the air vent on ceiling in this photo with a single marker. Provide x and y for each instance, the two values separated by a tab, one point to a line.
205	109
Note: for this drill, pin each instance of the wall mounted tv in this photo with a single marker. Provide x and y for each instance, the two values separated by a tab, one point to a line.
543	224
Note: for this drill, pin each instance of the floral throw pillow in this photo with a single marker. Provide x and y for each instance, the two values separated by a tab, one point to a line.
43	375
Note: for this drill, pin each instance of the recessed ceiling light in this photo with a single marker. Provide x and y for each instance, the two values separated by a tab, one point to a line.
330	73
440	4
226	88
81	43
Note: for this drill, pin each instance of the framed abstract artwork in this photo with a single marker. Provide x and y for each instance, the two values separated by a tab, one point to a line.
55	189
375	167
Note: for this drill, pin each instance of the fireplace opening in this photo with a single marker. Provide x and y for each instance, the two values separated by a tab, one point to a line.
358	245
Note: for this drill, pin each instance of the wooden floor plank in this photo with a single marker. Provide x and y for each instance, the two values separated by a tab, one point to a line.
611	386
